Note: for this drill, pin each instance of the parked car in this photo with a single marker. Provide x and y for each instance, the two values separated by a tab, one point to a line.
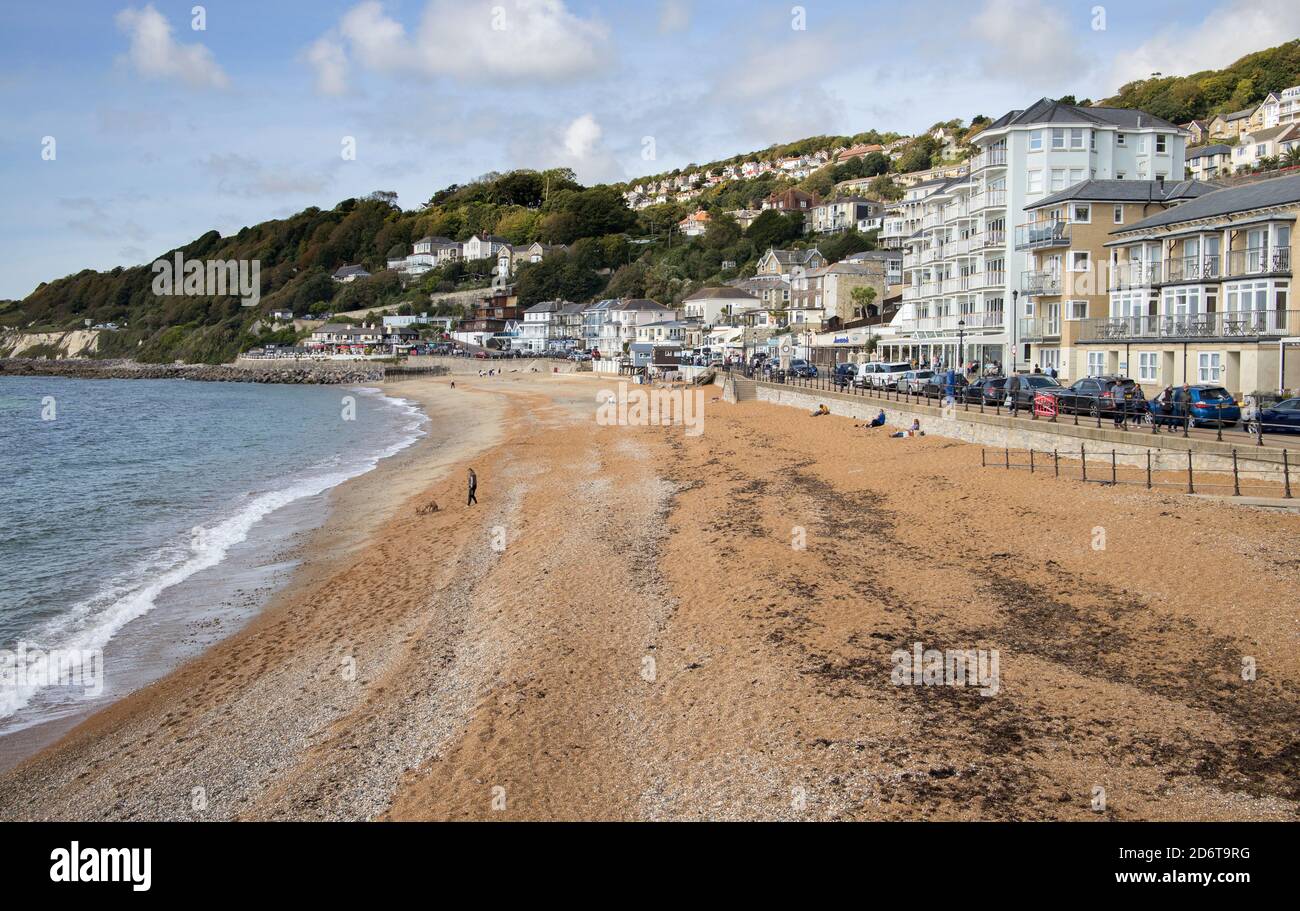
987	390
802	368
886	376
1104	396
913	380
843	374
1210	405
1032	385
941	385
1284	417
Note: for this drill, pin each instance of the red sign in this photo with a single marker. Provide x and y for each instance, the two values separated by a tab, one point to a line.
1045	405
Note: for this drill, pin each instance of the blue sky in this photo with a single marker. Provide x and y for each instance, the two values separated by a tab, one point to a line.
163	132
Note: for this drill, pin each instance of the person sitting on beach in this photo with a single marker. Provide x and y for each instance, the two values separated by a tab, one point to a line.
821	410
878	420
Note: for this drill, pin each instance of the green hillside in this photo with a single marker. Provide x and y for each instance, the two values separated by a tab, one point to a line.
1245	83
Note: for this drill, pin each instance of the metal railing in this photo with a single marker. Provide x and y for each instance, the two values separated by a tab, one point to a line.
1246	324
1259	261
1032	282
1156	470
1193	268
1041	235
1134	275
1035	329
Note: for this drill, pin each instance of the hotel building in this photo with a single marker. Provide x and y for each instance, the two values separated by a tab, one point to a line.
962	268
1201	293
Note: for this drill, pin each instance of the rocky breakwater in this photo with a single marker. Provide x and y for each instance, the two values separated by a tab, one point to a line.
295	372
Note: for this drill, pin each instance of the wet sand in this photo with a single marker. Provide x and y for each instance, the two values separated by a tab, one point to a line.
638	624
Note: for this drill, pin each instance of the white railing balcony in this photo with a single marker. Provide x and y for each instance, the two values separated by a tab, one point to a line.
992	158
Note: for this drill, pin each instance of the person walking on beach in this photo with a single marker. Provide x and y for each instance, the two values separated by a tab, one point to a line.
473	488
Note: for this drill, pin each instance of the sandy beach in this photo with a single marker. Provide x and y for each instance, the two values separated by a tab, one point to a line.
635	623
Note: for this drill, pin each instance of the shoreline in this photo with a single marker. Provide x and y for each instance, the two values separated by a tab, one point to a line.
247	581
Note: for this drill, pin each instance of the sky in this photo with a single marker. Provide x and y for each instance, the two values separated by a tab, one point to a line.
131	128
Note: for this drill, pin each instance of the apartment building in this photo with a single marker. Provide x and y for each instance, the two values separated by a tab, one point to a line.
1200	293
1257	145
1280	108
962	267
1209	161
844	213
1067	281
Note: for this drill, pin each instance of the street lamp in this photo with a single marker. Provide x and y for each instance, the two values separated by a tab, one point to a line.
1015	318
961	338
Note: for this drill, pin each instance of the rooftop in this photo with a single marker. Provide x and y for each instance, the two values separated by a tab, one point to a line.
1280	191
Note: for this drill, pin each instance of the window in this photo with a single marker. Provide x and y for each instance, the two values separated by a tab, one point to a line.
1092	140
1162	144
1209	366
1096	363
1058	179
1147	362
1035	181
1076	310
1076	176
1119	175
1261	150
1119	139
1058	138
1080	260
1050	359
1118	215
1076	139
1082	213
1036	140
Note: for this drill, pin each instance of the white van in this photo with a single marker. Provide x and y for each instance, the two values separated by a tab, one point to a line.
865	371
887	376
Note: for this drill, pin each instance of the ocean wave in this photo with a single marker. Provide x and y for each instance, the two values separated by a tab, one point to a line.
92	623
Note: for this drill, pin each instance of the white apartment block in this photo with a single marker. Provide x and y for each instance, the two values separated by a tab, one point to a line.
962	271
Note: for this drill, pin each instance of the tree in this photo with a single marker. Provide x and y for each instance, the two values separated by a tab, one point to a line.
773	228
723	231
863	297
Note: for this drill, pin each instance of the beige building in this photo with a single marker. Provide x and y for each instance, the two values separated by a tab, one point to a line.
1200	293
1066	284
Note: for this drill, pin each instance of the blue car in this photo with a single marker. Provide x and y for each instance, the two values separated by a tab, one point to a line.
1284	417
802	368
1208	404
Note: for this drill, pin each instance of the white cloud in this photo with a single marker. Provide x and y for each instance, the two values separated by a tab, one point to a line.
581	136
330	61
1026	39
156	54
472	41
1227	33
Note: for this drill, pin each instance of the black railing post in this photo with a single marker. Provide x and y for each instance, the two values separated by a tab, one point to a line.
1219	430
1083	461
1007	455
1148	469
1056	463
1236	481
1031	459
1114	478
1286	476
1191	488
982	463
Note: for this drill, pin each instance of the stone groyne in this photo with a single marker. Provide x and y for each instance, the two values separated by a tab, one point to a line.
295	372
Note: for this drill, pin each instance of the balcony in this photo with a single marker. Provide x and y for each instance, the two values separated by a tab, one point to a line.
1040	283
993	158
1259	261
990	280
1193	268
947	324
1245	325
990	239
989	199
1036	329
1127	275
1043	235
